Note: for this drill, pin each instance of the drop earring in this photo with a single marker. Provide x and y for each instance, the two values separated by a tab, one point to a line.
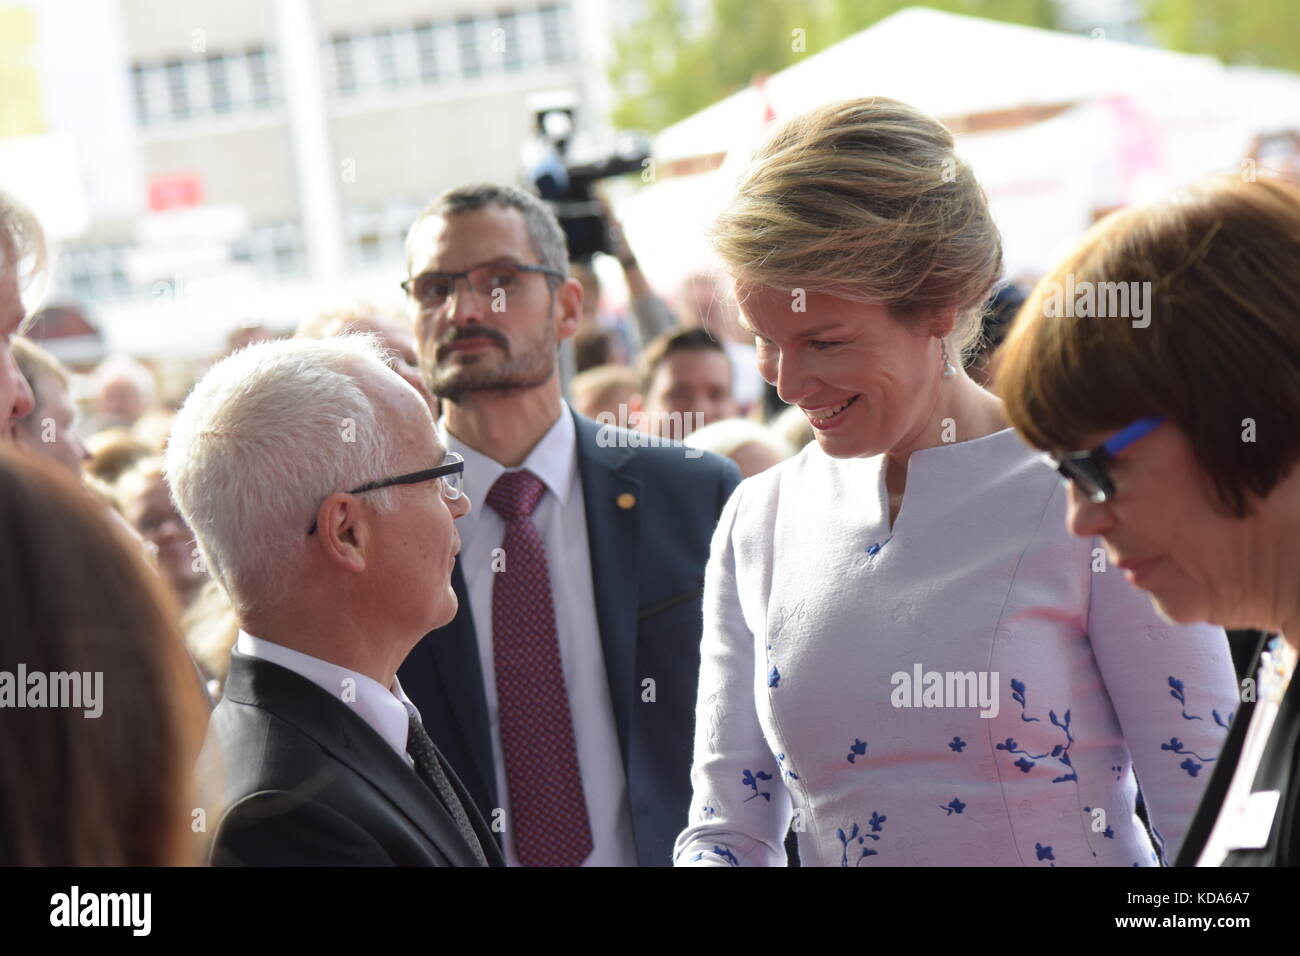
948	370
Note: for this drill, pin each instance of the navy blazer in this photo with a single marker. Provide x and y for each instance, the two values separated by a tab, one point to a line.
647	566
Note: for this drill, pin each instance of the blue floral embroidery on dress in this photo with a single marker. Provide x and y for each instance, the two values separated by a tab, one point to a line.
957	745
858	836
786	616
1178	693
1044	852
1178	747
1018	695
1060	752
953	806
875	548
788	773
721	851
751	780
857	749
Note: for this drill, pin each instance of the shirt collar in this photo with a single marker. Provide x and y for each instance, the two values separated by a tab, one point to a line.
552	460
383	709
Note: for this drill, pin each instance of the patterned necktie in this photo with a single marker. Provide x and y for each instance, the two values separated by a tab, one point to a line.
548	809
420	746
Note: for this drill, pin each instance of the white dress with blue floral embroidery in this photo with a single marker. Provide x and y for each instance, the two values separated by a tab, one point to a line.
813	603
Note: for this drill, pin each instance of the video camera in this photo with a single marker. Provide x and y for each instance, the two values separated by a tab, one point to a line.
568	186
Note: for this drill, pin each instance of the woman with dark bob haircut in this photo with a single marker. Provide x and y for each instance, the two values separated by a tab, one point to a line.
1179	431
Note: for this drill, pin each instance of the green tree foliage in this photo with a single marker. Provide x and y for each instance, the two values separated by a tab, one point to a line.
1260	32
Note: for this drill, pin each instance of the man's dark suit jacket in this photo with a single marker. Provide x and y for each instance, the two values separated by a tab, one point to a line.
647	566
1279	769
309	783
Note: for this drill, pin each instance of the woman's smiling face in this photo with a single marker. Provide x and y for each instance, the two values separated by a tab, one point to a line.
867	382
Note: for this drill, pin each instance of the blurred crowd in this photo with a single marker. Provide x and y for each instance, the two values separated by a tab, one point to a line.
154	530
678	368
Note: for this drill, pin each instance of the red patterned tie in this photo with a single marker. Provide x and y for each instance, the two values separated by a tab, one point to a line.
548	809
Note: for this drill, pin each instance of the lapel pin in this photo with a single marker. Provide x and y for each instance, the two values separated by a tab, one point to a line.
626	501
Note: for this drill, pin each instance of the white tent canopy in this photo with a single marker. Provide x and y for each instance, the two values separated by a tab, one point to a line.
1136	121
948	65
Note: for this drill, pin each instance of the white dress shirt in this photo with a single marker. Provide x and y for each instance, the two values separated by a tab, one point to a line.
383	709
561	520
819	612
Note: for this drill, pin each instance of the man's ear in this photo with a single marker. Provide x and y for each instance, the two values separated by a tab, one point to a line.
343	533
568	303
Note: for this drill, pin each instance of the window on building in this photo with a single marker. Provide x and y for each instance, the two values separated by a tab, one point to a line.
386	59
218	85
426	49
345	74
178	100
221	83
467	35
259	71
553	35
466	48
93	273
511	54
139	85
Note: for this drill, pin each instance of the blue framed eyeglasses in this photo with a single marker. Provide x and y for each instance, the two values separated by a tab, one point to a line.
1089	469
451	471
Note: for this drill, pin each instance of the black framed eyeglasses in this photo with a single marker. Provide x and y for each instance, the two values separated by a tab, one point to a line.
1088	469
431	290
451	471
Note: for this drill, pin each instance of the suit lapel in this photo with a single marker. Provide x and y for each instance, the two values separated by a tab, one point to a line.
488	840
400	783
613	537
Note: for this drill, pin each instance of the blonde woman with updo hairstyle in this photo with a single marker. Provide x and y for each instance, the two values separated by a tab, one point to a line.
907	659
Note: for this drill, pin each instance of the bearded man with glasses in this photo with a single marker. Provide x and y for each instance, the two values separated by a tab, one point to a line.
563	689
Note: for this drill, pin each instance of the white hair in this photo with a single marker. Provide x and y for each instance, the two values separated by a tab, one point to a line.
265	436
730	434
22	246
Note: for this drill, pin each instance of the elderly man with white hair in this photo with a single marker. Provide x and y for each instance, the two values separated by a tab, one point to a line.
323	504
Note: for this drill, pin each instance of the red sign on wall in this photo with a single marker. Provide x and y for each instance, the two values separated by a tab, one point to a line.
174	191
